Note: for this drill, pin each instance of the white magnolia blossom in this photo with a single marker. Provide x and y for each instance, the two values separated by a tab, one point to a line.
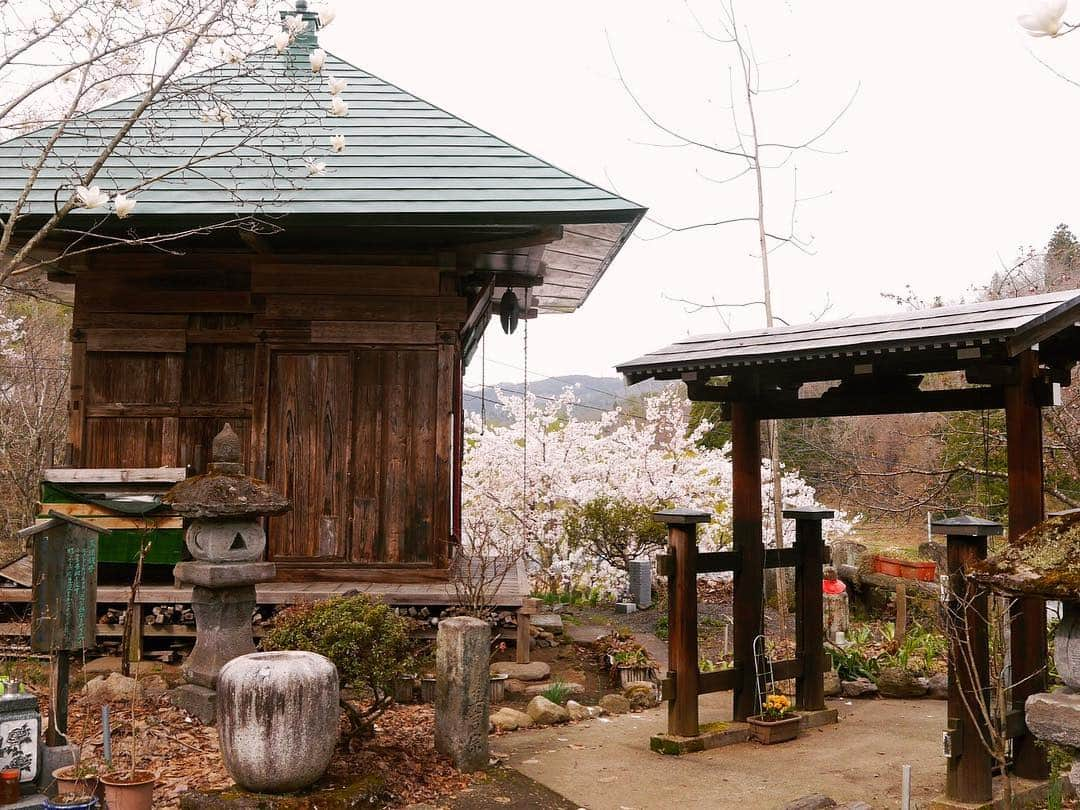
337	143
1045	18
336	85
338	106
296	24
123	205
315	168
317	58
92	197
281	41
519	495
217	113
327	13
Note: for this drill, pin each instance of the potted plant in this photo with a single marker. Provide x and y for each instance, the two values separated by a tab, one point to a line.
777	722
632	665
78	778
129	788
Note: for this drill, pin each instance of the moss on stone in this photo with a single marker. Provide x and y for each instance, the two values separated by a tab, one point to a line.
368	791
1045	562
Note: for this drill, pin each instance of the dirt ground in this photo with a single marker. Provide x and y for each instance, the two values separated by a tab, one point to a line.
608	765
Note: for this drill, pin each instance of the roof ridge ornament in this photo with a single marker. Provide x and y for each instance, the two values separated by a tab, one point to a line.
302	24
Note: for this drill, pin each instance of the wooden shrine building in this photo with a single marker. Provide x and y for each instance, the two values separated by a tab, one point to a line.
323	302
1011	354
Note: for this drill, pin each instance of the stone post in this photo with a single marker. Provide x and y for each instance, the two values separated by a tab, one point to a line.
461	691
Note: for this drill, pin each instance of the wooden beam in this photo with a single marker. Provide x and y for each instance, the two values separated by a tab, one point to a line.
708	562
749	580
939	401
1024	440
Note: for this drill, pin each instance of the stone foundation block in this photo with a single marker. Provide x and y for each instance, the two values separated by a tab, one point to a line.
712	735
198	701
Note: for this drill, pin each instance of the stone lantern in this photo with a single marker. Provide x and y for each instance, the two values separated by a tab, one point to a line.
1045	564
225	536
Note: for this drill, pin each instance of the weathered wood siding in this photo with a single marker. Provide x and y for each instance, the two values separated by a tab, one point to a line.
340	380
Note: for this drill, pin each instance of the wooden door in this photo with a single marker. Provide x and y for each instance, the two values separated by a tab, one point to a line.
308	449
396	505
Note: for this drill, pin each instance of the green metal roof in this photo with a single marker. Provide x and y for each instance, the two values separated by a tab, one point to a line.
403	157
406	163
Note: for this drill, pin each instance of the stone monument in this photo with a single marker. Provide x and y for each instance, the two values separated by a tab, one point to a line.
461	691
836	615
226	538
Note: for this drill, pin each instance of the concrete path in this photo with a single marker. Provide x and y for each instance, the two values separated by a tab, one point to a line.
608	765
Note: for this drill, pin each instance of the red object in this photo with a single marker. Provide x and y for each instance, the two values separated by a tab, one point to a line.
922	570
832	586
10	792
887	565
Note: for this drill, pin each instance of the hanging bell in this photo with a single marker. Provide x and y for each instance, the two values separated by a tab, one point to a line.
509	311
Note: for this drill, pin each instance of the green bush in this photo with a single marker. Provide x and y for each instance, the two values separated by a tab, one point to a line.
615	530
368	643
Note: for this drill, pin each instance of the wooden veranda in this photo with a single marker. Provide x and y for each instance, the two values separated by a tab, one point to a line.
1011	354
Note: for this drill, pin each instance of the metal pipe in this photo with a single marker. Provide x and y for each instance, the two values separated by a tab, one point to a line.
905	802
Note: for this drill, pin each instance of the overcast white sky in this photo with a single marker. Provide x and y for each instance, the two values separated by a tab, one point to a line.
960	148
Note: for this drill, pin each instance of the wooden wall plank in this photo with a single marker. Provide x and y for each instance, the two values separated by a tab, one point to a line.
135	340
77	404
366	308
372	280
368	541
442	426
308	453
375	332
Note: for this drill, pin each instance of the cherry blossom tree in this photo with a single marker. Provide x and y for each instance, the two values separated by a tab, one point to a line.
520	479
62	62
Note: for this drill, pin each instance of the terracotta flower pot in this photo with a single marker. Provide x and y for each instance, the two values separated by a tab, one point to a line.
68	782
768	732
922	570
887	565
129	791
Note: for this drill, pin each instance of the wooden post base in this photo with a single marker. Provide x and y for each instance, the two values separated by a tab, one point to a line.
1026	794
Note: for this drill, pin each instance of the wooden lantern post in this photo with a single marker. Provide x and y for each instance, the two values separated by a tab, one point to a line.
682	617
969	776
809	606
64	612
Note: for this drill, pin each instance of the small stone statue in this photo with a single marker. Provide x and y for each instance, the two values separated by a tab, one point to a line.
227	540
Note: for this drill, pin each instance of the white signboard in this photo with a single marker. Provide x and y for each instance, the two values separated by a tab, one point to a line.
19	746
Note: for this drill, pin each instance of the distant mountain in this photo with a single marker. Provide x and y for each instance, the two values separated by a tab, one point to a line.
594	394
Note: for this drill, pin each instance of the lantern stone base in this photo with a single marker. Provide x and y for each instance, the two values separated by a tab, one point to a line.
198	701
223	631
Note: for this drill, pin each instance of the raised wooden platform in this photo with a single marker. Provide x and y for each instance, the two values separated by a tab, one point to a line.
510	593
